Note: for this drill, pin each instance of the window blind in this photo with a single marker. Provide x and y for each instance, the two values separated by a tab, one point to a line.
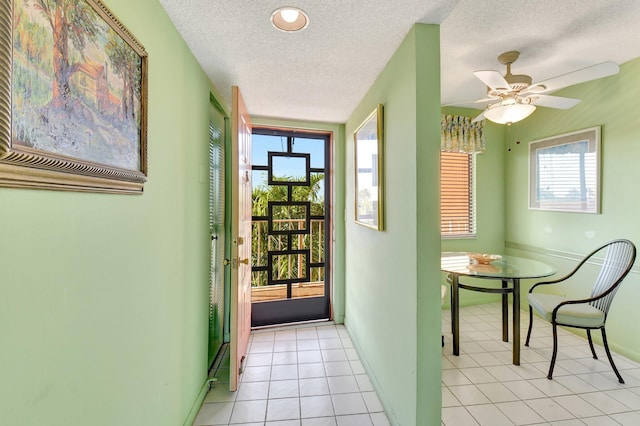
457	204
567	180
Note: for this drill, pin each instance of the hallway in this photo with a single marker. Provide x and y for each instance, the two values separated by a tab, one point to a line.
302	376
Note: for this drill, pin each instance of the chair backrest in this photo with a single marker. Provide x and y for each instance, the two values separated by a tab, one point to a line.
619	256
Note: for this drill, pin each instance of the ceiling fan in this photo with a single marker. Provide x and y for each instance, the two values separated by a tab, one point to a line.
513	97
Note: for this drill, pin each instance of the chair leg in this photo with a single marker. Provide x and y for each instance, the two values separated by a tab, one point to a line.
555	351
606	348
593	351
526	343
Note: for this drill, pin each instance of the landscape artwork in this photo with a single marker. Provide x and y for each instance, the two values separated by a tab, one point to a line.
78	93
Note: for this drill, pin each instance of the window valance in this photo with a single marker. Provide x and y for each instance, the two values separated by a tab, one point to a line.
459	134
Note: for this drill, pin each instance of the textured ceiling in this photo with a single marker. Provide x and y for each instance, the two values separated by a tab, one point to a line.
322	72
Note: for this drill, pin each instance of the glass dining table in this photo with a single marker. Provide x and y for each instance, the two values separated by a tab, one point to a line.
509	270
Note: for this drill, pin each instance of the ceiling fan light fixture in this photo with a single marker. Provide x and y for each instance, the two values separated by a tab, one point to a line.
512	113
289	19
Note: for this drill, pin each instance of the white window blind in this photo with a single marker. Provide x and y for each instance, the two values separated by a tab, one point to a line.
564	172
457	204
567	180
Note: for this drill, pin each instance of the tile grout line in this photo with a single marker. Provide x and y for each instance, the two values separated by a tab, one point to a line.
633	382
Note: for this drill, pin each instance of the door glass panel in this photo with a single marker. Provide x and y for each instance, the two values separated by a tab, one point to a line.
278	242
314	147
289	266
288	169
317	275
313	192
263	144
258	278
259	244
289	218
316	237
259	180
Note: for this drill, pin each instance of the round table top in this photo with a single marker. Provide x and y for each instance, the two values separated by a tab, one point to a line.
507	267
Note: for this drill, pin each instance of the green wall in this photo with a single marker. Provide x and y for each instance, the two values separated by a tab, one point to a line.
490	198
392	292
103	300
337	203
560	238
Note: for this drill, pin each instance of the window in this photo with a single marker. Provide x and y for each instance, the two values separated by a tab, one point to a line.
457	189
564	172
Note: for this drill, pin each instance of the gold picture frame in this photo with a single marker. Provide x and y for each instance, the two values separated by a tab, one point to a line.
73	98
369	170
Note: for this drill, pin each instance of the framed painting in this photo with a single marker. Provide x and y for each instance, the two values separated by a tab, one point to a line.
564	172
73	98
369	178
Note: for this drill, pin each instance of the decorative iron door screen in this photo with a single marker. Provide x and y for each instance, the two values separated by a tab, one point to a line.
290	224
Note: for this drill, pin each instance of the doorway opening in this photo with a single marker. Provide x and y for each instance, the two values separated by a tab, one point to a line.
290	226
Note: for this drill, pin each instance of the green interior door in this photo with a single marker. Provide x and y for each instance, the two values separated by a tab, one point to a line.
216	228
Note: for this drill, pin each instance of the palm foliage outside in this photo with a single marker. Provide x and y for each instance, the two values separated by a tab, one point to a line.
288	218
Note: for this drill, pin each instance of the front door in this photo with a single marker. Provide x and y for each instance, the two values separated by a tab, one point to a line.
241	236
290	237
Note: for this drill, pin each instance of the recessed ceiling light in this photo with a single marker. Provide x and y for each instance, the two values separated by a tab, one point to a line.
289	19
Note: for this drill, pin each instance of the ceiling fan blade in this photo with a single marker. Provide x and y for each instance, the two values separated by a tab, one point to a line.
479	117
489	99
553	101
494	80
586	74
472	104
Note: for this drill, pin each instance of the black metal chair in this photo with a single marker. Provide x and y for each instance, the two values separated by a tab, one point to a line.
589	313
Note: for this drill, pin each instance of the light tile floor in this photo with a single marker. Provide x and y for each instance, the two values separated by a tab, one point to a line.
483	387
295	376
311	376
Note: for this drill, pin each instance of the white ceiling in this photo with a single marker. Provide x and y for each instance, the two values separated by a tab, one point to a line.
322	72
